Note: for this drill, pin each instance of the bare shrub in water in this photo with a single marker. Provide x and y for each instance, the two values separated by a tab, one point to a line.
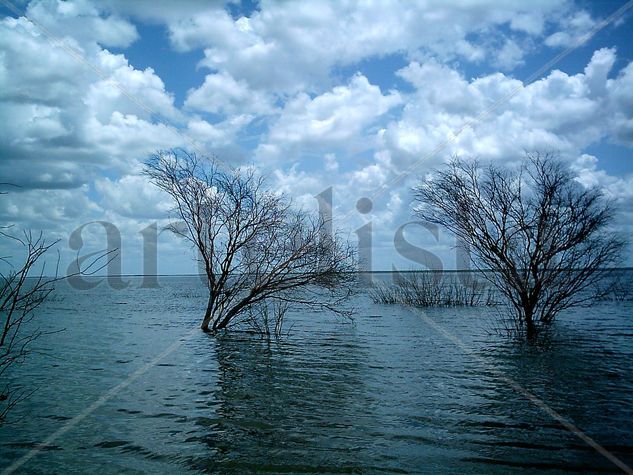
432	289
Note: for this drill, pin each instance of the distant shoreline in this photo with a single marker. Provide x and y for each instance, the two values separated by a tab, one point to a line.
450	271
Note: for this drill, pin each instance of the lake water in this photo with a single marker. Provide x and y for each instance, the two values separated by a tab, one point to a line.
396	391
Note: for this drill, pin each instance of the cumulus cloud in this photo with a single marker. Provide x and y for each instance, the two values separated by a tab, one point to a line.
617	188
503	116
532	22
621	93
510	55
133	196
81	22
334	118
221	133
50	210
574	29
127	90
288	47
222	94
63	121
281	90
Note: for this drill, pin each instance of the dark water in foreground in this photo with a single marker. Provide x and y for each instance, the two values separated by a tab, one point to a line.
390	393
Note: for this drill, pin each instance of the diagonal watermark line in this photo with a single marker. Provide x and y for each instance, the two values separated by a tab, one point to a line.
97	404
486	113
437	327
542	405
470	124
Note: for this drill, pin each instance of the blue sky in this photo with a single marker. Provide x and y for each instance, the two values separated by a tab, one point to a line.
313	94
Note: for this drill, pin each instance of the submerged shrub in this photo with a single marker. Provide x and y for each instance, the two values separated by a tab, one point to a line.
433	289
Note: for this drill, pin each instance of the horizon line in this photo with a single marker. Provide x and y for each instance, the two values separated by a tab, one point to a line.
410	271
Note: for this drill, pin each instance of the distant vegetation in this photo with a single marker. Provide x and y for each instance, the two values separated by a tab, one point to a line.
434	289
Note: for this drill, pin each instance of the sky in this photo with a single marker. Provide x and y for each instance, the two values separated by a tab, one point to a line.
363	97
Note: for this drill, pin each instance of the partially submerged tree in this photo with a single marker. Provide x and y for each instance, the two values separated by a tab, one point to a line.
21	293
257	251
25	284
539	237
24	287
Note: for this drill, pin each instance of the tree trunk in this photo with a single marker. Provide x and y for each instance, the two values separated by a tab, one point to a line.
207	317
223	323
530	327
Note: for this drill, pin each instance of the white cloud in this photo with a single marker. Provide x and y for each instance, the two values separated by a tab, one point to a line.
373	177
559	112
279	91
336	118
574	29
529	22
299	185
222	94
133	196
47	209
616	188
621	94
32	69
125	139
441	87
221	133
290	47
82	21
330	163
509	56
159	11
128	91
62	121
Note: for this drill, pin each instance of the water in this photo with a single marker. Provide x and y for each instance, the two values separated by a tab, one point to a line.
395	392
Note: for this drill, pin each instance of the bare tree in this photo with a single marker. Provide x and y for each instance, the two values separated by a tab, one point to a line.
21	294
25	286
538	236
258	252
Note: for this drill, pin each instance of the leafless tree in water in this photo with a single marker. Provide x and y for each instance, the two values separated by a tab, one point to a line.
21	294
539	237
24	287
258	252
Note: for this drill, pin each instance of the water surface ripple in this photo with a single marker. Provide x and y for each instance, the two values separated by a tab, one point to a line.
386	394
